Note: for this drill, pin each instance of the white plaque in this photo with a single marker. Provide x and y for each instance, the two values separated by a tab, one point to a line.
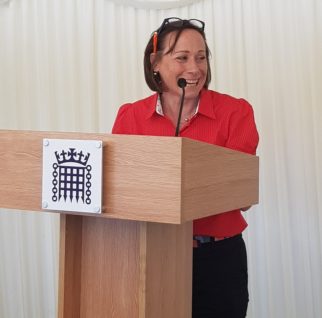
72	175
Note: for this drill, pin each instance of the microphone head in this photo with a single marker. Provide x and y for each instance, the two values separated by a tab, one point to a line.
182	82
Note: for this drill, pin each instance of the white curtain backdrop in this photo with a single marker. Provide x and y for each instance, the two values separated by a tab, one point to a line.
69	65
155	4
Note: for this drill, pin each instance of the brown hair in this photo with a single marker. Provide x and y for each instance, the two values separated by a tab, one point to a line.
153	80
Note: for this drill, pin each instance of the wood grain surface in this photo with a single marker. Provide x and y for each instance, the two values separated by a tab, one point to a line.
119	268
145	178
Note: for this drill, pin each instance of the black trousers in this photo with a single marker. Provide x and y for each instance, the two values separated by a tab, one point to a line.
220	279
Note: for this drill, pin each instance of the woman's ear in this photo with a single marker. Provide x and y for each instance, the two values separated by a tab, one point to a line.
153	61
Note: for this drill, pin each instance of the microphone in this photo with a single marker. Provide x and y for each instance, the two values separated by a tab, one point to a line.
182	83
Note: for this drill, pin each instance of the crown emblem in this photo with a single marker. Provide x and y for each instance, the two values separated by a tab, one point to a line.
72	156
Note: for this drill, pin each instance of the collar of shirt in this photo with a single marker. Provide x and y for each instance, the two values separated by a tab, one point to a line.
159	109
204	107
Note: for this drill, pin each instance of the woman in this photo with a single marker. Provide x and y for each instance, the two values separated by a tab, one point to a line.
178	50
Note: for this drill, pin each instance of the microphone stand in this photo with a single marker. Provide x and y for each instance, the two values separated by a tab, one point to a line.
181	83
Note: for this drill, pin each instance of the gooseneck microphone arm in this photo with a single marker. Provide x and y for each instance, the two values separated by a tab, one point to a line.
181	83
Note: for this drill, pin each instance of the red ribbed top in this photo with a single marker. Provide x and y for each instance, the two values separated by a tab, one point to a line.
221	120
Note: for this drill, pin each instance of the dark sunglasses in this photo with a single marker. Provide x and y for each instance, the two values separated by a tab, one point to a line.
176	22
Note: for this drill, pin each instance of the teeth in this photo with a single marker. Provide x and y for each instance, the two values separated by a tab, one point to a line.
192	82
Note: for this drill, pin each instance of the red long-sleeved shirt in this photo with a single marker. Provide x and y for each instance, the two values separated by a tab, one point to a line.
221	120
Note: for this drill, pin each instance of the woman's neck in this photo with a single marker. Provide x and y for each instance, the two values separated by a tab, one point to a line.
171	104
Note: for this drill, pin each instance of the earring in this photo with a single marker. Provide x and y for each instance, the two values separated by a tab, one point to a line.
156	77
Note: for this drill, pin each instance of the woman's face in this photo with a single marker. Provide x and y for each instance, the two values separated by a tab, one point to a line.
188	60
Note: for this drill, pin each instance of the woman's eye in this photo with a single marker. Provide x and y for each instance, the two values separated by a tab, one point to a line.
182	58
201	58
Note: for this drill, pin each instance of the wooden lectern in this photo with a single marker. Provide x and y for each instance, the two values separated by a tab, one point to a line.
135	259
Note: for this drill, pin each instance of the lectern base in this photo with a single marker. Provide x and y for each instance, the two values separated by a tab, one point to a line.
124	269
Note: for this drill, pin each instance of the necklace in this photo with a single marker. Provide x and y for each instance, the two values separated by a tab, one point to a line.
188	118
184	119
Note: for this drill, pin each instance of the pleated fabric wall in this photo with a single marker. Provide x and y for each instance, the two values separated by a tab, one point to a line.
69	65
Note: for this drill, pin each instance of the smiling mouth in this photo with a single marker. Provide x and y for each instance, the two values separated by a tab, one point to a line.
192	82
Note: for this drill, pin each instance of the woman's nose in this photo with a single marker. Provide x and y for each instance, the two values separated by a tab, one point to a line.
193	66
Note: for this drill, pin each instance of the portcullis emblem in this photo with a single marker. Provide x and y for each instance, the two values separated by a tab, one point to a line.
72	177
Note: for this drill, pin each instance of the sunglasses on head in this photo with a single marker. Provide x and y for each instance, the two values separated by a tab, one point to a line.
176	22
